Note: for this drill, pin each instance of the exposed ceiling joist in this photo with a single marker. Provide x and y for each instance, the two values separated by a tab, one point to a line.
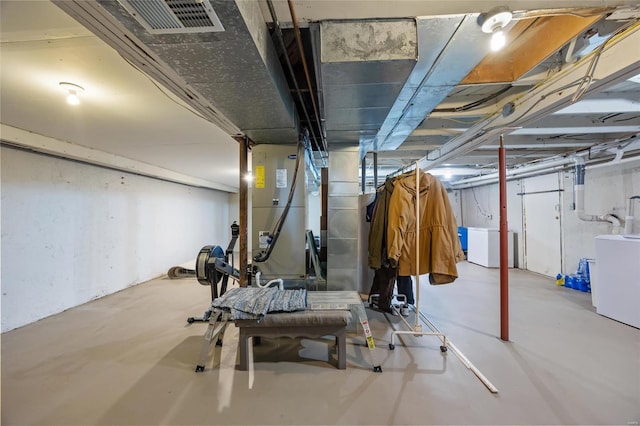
435	115
619	60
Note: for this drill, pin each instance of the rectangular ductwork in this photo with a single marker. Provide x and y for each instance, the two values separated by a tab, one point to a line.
232	77
174	16
363	66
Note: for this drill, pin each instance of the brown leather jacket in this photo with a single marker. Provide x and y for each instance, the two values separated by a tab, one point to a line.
439	246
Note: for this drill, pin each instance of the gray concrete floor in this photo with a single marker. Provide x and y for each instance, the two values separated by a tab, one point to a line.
129	358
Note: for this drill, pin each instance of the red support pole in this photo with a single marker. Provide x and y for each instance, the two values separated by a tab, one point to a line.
504	244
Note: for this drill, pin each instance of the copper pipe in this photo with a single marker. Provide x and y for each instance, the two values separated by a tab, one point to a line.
292	74
306	70
504	244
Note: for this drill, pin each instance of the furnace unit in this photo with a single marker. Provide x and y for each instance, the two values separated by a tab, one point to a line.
278	214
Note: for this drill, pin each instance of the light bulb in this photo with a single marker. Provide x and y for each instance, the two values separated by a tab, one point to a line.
72	98
498	40
73	92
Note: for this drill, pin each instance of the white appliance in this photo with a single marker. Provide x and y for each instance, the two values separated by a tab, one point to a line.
618	277
483	247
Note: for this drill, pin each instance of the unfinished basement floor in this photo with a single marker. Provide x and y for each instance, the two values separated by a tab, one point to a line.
129	359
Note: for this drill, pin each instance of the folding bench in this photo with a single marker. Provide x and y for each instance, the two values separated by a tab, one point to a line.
308	323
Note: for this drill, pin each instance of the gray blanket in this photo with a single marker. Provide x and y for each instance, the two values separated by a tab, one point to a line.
255	303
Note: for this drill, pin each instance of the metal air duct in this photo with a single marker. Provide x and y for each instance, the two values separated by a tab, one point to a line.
447	52
361	67
235	73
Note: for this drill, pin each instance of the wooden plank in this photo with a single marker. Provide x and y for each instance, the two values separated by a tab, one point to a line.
529	42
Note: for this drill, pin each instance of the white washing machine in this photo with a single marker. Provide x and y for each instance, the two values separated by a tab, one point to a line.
618	278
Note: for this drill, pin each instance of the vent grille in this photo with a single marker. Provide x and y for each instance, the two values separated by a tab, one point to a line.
174	16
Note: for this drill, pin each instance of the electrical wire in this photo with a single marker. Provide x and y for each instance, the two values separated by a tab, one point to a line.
484	117
580	82
480	209
588	77
162	89
627	119
475	104
541	13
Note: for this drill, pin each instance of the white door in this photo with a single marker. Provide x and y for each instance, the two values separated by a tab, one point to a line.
541	210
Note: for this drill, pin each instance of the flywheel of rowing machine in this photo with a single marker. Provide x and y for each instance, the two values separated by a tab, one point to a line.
206	274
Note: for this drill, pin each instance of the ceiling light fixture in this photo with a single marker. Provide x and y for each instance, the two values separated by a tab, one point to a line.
493	22
73	90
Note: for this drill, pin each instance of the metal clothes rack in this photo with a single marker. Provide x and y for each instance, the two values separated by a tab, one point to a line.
416	330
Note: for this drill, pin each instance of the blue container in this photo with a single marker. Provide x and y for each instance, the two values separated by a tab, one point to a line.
583	269
462	234
569	281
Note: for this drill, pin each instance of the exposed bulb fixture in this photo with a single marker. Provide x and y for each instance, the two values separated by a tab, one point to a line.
73	90
498	40
493	22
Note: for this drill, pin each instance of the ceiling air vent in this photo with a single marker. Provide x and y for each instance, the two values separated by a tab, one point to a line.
174	16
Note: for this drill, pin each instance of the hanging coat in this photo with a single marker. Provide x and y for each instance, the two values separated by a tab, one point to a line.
385	276
378	228
439	245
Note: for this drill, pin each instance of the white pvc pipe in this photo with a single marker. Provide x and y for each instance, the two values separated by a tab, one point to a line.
611	163
578	191
512	173
461	356
550	166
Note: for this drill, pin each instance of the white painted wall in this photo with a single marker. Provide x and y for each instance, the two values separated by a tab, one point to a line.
480	208
607	190
314	210
456	205
73	232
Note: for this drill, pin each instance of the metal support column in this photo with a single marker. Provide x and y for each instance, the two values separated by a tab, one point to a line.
363	174
375	170
504	244
244	209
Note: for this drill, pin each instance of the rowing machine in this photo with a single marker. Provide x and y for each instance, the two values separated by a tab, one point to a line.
213	266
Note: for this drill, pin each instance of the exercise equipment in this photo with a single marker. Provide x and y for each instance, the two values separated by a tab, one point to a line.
212	267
